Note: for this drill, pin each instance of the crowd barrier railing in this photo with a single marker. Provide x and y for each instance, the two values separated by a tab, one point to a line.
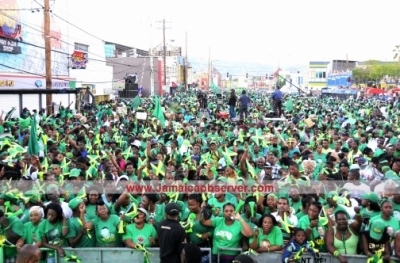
115	255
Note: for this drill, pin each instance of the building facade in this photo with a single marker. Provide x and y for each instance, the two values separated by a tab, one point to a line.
317	74
78	59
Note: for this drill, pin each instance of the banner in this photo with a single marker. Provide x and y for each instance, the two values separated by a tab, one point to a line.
79	60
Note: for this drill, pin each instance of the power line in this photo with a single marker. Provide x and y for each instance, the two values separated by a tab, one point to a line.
77	27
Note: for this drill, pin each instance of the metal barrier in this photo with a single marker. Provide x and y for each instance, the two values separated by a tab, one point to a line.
111	255
239	250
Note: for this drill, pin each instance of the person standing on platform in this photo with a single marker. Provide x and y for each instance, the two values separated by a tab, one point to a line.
232	104
276	97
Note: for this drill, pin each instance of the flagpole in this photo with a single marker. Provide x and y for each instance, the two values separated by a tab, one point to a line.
209	67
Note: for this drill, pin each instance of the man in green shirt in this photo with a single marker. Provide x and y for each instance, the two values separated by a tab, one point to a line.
11	229
79	235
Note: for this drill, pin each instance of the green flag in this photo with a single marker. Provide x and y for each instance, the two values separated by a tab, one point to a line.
9	114
33	144
289	105
24	123
158	112
136	102
214	88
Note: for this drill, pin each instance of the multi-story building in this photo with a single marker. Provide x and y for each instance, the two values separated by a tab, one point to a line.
316	76
77	58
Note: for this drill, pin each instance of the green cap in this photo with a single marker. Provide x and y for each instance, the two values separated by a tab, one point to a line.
376	230
74	173
371	196
74	203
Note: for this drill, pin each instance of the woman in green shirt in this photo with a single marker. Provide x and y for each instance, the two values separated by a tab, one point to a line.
228	233
140	232
53	230
268	237
31	228
93	196
200	235
106	227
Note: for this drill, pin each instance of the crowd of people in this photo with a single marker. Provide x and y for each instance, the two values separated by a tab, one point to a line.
72	180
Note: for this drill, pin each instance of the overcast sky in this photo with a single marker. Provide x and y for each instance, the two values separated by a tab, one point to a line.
274	32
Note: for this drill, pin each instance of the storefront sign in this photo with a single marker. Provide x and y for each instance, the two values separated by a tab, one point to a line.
118	85
9	46
79	60
6	83
28	82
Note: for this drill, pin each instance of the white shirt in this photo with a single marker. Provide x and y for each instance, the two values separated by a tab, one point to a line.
292	218
357	190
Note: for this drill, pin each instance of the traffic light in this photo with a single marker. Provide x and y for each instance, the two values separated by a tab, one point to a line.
247	75
227	74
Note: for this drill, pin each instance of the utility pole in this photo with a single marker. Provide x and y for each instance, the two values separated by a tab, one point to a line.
209	67
47	55
164	51
185	64
164	55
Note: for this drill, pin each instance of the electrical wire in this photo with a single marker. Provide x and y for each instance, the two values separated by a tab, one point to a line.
41	33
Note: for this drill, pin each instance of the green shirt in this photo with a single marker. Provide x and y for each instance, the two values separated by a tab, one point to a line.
249	222
74	227
273	238
90	213
295	205
218	205
304	223
106	231
392	222
198	229
30	234
17	227
52	233
226	236
140	236
367	214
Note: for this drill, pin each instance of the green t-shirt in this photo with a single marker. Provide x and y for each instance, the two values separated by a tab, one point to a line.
319	242
106	231
90	213
249	222
198	229
52	233
392	222
396	209
30	234
226	236
140	236
300	214
274	238
25	216
295	205
74	227
219	205
366	214
17	227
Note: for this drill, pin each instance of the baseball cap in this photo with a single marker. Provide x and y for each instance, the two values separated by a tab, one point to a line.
144	211
74	203
362	161
74	173
371	196
344	164
267	165
172	209
376	230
